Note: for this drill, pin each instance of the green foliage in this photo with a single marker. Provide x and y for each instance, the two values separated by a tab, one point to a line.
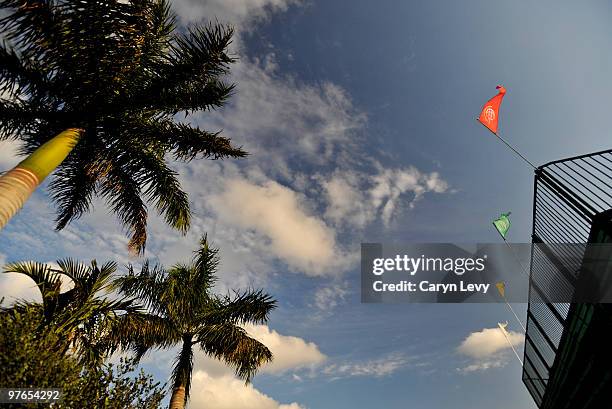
31	357
114	387
183	309
82	314
120	71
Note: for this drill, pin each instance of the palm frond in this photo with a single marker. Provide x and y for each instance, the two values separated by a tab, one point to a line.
251	306
123	195
148	285
141	332
199	54
47	281
15	118
184	141
205	263
88	281
42	274
231	344
203	95
161	185
19	76
72	190
78	272
34	26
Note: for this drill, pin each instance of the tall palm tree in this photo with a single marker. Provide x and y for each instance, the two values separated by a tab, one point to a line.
81	315
183	310
108	78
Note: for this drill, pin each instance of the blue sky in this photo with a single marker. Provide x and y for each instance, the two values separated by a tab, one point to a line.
360	117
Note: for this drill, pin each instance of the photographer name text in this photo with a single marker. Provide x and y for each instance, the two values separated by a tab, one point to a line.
413	265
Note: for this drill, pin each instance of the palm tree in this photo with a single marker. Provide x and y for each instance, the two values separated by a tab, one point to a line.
108	78
183	310
81	315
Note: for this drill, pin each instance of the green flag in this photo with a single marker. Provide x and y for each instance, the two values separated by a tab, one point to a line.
502	224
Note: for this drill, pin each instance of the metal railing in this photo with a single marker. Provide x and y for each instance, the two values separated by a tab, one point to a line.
569	196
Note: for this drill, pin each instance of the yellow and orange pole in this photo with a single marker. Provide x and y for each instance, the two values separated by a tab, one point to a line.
18	184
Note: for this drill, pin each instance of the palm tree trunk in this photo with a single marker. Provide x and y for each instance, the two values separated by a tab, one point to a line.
177	401
182	374
19	183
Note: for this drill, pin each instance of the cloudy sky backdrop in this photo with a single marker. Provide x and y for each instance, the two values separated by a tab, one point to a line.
360	120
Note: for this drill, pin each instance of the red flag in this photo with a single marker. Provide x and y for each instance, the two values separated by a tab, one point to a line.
490	111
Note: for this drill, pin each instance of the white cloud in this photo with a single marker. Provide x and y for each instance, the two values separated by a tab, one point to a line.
331	296
8	155
390	184
227	392
359	198
281	120
14	286
300	239
294	359
346	202
375	367
488	349
480	366
488	342
327	298
290	353
238	12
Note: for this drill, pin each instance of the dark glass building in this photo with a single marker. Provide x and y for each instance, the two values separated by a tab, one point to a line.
568	346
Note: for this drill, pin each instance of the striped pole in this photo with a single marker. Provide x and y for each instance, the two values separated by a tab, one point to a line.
18	184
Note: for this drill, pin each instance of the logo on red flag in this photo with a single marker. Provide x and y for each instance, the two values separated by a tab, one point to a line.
489	114
490	111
